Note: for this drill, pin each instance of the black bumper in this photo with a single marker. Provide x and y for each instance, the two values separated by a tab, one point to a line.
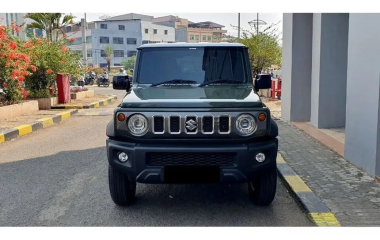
234	163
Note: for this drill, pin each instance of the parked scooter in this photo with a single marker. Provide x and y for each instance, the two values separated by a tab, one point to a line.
103	79
90	78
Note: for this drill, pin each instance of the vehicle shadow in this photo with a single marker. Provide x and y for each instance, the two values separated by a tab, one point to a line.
71	189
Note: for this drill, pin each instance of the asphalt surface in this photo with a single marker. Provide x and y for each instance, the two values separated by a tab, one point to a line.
58	177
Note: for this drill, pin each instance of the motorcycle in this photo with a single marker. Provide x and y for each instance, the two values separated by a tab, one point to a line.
90	78
103	80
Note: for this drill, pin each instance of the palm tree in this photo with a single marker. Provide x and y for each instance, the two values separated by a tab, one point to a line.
108	50
50	22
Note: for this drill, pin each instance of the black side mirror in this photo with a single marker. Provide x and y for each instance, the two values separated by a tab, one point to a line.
263	81
121	82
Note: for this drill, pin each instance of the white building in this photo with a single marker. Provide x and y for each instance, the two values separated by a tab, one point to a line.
19	18
124	33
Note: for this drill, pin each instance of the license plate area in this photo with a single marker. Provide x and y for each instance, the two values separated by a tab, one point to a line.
191	174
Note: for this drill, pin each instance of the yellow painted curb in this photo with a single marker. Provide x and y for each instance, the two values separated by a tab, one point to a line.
64	115
46	122
74	107
105	102
280	159
92	114
324	219
24	129
2	138
296	183
96	104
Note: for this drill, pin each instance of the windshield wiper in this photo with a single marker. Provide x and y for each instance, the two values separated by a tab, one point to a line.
174	81
219	81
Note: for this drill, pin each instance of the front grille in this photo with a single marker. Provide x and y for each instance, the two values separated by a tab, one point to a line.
158	124
208	124
174	124
190	159
224	124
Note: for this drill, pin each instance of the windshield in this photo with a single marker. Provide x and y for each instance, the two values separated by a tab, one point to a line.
201	65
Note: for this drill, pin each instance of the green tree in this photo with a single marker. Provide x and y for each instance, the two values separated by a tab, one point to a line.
108	50
263	46
130	63
50	23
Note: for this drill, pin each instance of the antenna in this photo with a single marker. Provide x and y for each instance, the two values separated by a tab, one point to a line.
104	17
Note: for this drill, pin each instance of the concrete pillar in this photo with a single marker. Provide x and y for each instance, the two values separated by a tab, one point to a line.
362	144
329	70
296	66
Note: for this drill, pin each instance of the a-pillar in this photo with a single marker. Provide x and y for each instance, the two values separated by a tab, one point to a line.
296	66
362	140
329	70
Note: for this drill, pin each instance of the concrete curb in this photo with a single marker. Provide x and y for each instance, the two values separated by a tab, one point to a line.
98	104
315	209
32	127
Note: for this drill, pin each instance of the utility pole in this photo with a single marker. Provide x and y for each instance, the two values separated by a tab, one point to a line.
257	24
238	25
84	45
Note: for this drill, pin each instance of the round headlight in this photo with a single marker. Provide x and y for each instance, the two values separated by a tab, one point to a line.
138	125
245	125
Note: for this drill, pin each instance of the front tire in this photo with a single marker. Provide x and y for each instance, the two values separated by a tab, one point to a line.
122	190
263	190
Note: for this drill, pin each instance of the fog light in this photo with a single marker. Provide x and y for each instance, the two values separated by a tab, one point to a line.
123	157
260	157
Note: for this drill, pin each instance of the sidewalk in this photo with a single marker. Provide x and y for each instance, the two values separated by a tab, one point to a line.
351	194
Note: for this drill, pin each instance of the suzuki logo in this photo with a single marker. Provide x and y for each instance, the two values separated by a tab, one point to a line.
191	124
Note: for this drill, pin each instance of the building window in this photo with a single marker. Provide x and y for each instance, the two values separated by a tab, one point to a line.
154	31
191	37
104	40
89	54
209	38
145	42
146	30
131	53
166	32
102	65
103	26
121	27
118	40
215	37
118	53
204	37
88	39
103	53
197	37
132	41
117	64
40	34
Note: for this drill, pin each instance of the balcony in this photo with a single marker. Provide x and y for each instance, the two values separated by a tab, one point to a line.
206	30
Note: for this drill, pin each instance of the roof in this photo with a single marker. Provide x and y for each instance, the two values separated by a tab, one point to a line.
130	16
165	18
207	24
180	44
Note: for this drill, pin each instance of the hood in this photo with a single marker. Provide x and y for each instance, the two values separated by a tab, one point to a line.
192	97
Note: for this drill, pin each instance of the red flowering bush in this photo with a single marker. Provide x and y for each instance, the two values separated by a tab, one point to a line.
14	64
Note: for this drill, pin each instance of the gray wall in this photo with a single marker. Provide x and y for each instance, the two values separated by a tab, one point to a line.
329	70
132	30
181	35
362	146
296	62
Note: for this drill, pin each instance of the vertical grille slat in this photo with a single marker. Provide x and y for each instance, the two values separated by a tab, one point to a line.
224	124
159	124
208	124
174	124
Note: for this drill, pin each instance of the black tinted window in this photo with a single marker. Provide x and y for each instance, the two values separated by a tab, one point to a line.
198	64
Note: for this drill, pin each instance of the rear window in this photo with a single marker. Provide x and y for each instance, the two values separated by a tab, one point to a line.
197	64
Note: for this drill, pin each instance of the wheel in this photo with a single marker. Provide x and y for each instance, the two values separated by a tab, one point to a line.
263	189
122	190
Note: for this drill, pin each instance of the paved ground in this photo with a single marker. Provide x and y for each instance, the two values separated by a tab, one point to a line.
58	177
352	195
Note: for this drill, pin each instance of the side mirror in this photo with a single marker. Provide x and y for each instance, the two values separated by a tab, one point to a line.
263	81
121	82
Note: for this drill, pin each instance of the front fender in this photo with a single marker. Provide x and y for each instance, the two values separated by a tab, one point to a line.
110	131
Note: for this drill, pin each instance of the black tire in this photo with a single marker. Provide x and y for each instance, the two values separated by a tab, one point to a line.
122	190
263	189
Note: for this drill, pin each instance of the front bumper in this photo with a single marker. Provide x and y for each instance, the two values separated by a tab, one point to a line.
242	166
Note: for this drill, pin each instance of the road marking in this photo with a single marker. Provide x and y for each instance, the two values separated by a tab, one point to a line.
280	159
46	122
96	104
324	219
2	138
24	129
64	115
297	184
105	102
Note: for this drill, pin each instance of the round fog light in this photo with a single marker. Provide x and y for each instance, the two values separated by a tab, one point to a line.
260	157
123	157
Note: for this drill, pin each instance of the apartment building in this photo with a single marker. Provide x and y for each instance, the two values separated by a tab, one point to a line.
187	31
124	33
7	18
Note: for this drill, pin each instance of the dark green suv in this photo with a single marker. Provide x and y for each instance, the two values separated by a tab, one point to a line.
192	115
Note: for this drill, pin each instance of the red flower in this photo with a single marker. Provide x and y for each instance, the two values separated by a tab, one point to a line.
5	85
63	62
34	69
12	45
72	40
49	71
21	78
64	35
64	49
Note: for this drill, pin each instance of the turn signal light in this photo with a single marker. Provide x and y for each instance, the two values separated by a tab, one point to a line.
121	117
262	117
